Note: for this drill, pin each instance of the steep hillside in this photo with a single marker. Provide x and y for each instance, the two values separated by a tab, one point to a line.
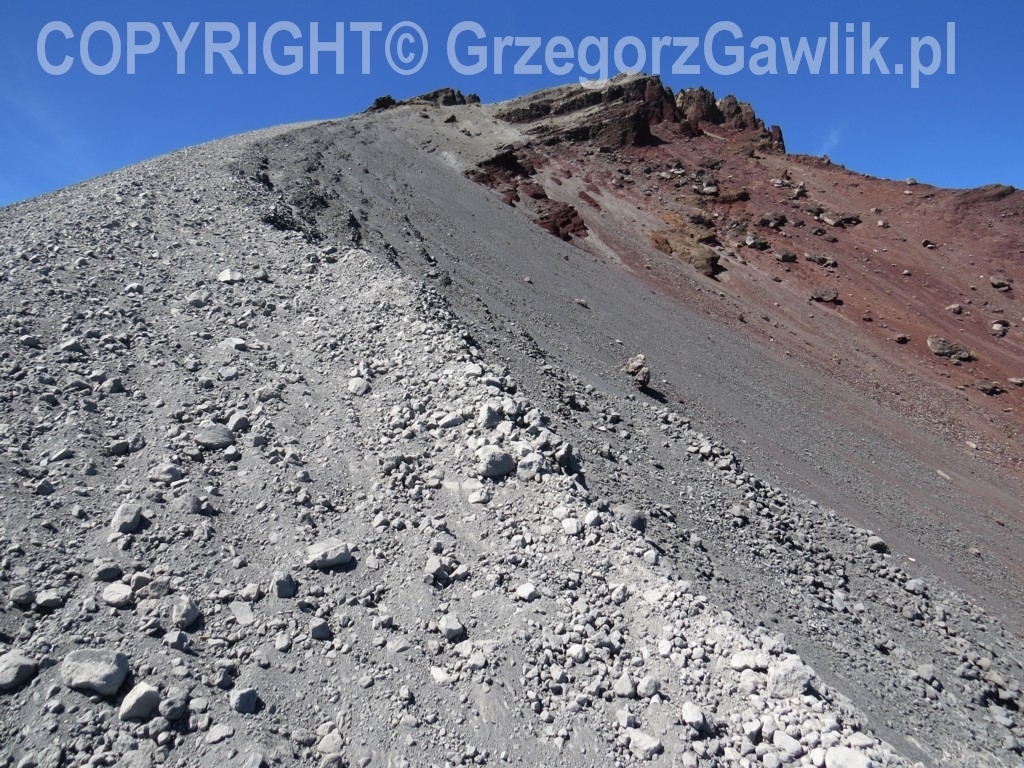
318	452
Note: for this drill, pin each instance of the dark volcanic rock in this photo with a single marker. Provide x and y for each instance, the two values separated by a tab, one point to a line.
991	388
988	194
618	115
1001	283
704	260
387	101
951	349
442	97
562	220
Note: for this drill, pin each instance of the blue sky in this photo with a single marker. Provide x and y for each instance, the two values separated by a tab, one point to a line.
956	129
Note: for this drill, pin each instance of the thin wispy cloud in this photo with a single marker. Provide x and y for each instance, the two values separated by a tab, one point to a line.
832	140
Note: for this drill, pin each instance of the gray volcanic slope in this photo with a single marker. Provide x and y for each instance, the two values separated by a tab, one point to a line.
316	453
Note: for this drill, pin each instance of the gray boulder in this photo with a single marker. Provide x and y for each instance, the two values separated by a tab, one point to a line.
844	757
214	437
494	462
140	702
16	669
328	553
789	678
95	670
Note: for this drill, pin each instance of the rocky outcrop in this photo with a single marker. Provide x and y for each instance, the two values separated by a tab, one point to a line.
511	173
655	105
442	97
990	193
699	105
620	114
739	115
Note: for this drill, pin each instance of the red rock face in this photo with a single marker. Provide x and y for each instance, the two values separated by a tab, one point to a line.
511	173
647	165
620	116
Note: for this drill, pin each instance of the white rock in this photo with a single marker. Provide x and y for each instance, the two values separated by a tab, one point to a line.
126	519
624	687
15	670
494	462
915	586
239	422
577	652
229	276
242	612
789	677
184	611
692	715
527	592
481	496
233	344
647	687
118	595
164	473
328	553
844	757
477	660
530	465
743	660
358	386
488	416
752	730
140	702
49	600
451	627
789	748
643	745
219	733
440	676
331	744
858	740
450	421
750	682
95	670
